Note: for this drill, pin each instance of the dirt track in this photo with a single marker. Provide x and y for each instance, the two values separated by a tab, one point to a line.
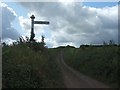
74	79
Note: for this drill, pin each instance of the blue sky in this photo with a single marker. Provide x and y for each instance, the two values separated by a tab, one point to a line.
24	9
100	4
20	11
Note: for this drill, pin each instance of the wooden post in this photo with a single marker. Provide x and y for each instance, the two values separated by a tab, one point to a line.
32	26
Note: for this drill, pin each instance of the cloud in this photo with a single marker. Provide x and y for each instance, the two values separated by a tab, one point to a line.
24	23
8	15
8	41
76	24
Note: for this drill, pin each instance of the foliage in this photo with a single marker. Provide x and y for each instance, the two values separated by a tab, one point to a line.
29	64
23	67
100	62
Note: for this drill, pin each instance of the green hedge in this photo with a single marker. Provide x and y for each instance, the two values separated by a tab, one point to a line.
98	62
25	68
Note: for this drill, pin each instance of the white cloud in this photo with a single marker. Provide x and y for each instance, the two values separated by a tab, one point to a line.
24	23
76	24
8	41
3	5
8	15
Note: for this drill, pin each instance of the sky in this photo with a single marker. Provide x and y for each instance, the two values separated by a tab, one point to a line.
71	23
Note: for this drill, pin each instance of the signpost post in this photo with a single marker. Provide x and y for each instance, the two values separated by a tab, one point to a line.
32	26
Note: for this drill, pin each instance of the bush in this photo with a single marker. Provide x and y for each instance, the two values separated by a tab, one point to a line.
26	68
98	62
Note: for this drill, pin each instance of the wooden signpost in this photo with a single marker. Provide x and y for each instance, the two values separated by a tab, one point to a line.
32	26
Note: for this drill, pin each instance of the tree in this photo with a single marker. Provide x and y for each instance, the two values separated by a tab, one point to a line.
27	39
43	43
111	42
14	43
104	43
4	44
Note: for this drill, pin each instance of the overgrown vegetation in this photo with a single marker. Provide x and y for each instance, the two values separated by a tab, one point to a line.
30	65
100	62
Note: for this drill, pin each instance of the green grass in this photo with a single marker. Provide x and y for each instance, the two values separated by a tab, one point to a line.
98	62
25	68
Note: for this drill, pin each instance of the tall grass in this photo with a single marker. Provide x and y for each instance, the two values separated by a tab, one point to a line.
26	68
98	62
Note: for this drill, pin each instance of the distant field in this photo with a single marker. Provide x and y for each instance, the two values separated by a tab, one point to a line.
98	62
